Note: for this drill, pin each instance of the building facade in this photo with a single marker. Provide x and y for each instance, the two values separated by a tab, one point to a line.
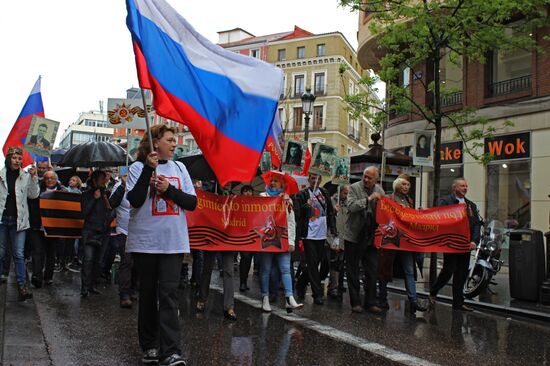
311	61
90	126
511	86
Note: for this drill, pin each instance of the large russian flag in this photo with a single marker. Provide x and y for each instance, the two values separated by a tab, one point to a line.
273	145
18	134
227	100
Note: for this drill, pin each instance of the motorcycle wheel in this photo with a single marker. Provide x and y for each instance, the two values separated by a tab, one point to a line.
476	283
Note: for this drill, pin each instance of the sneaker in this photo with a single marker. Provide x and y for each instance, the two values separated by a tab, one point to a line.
150	356
173	360
74	267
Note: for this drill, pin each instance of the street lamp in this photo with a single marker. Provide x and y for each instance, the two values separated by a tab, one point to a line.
307	107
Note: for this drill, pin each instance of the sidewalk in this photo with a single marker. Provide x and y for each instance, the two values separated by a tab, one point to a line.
22	339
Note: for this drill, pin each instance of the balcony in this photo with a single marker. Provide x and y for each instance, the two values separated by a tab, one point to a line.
446	100
523	83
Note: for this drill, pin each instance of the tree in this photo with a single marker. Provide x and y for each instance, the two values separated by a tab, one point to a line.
422	32
410	33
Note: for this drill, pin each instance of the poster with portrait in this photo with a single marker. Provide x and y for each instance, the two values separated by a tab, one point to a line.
424	148
126	113
133	145
340	174
41	136
323	160
180	151
294	155
265	162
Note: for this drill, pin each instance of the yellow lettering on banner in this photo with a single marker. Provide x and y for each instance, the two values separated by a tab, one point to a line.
424	227
235	222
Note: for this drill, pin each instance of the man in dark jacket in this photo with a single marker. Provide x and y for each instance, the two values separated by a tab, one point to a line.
456	264
315	217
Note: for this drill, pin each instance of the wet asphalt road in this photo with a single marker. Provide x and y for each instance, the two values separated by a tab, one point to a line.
95	331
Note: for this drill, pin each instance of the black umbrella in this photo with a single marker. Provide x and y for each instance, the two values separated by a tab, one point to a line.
95	154
57	155
197	166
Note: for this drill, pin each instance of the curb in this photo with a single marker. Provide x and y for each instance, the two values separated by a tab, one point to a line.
501	310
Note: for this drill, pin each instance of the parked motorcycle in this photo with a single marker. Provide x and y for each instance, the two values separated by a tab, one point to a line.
486	263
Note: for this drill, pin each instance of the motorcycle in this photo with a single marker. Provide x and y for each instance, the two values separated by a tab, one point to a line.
486	263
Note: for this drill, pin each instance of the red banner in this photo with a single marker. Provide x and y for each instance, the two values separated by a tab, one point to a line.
442	229
238	223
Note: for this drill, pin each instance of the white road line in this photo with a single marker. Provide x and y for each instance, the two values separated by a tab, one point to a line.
364	344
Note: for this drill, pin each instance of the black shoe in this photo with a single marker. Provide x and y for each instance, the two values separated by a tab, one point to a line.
384	305
173	360
24	293
230	314
318	301
150	356
243	287
83	293
48	282
94	291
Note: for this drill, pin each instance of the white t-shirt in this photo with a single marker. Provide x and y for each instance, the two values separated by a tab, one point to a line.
159	225
317	225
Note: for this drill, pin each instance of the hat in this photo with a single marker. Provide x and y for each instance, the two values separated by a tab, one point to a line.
291	186
14	150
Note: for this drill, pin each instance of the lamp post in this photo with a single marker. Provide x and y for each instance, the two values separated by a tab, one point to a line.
307	107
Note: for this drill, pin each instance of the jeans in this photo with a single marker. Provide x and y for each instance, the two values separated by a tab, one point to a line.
407	263
283	261
158	321
9	234
91	266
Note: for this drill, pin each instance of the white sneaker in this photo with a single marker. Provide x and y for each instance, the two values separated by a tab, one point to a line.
265	304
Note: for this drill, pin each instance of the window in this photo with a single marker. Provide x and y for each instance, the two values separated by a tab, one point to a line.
298	85
298	118
404	78
319	83
281	112
509	71
317	117
321	49
255	53
447	175
509	193
80	138
301	52
281	55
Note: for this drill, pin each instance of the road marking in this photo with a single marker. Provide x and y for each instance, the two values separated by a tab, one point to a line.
364	344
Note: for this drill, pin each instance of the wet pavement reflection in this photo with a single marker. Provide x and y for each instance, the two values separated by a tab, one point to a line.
95	331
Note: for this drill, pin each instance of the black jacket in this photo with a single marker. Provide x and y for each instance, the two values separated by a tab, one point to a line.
303	212
97	215
471	211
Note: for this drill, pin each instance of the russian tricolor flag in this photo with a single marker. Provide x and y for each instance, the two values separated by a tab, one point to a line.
18	134
227	100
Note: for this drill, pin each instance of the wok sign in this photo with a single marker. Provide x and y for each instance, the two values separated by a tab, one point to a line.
442	229
238	223
515	146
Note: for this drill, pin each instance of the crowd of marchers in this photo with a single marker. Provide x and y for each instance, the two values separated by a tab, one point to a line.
330	237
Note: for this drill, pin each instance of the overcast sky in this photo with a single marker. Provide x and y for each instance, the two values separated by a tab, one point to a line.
83	49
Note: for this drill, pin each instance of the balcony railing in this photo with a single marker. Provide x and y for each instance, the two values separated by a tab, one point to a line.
446	100
510	86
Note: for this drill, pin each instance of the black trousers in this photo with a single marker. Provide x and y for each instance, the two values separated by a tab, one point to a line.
206	275
43	254
368	256
244	265
455	265
158	322
127	275
315	253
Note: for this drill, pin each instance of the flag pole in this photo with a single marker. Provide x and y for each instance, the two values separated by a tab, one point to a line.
147	120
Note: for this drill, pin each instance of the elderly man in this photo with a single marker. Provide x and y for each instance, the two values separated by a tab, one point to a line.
456	264
43	248
359	240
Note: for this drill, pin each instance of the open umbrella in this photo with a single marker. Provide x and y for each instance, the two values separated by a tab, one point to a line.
291	187
197	166
95	154
57	155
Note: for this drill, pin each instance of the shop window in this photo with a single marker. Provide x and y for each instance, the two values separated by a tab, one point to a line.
446	178
509	193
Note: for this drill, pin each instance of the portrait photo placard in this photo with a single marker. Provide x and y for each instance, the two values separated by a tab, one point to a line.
265	162
424	148
41	136
180	151
133	144
294	155
323	159
340	173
